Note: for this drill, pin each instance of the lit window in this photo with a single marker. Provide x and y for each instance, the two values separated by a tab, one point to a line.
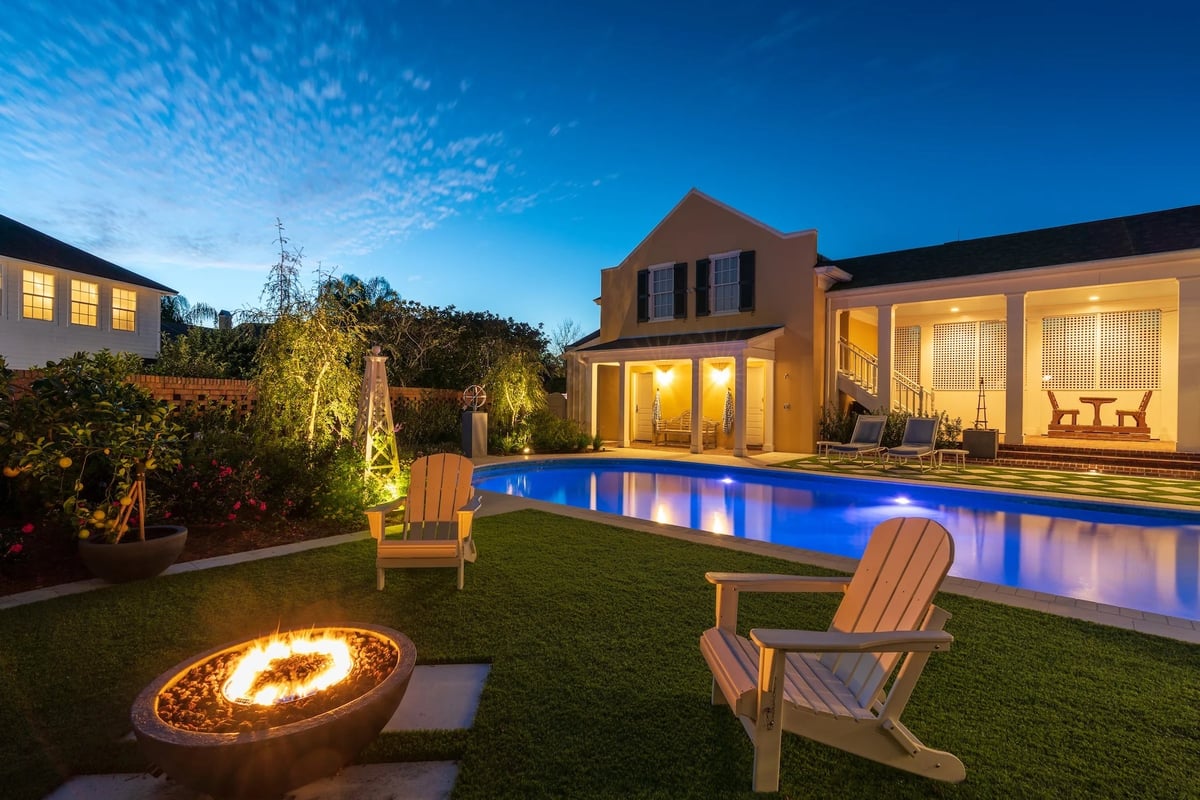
37	295
662	293
85	300
124	310
725	283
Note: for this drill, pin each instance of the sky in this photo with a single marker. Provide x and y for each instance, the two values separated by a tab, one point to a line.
495	156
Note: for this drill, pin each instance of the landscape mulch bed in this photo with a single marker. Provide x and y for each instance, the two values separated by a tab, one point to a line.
50	558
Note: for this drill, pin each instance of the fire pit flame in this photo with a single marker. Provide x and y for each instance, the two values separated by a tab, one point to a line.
256	679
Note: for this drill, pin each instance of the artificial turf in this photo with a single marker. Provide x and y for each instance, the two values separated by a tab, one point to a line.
597	687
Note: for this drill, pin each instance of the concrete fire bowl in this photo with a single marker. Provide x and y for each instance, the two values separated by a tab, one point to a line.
269	762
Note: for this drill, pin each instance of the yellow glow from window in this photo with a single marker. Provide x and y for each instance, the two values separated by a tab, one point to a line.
85	300
124	310
37	295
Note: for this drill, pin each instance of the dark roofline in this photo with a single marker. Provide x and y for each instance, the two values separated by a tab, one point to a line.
681	339
27	244
1119	237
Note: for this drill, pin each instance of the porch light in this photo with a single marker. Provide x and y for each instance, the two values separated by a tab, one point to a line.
720	376
1093	298
663	376
953	309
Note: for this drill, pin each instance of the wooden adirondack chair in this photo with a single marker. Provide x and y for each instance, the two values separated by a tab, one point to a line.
833	686
1057	414
435	530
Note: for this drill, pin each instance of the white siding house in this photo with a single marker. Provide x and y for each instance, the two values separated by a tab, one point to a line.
57	300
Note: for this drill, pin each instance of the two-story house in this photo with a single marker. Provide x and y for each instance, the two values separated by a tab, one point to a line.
57	300
722	317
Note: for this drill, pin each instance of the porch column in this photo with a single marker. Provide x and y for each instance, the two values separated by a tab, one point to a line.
623	402
587	399
697	406
739	405
1014	382
1188	401
769	408
884	349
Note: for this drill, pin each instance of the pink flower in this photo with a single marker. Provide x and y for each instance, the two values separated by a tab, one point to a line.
27	528
16	548
233	516
195	484
237	505
262	506
214	462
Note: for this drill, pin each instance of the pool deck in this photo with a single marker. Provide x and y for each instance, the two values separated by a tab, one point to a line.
1145	622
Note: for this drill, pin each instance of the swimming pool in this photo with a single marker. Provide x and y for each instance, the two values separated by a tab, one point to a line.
1134	557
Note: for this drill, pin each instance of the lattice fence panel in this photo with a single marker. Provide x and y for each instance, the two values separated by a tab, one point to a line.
906	352
954	351
1130	349
993	353
1069	352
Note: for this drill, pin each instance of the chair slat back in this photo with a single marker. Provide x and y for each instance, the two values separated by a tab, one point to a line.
921	432
438	486
868	430
1145	401
1053	400
900	572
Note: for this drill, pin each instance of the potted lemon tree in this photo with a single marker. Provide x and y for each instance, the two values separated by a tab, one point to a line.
82	439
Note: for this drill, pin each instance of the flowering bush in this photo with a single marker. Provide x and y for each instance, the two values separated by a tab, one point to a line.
12	541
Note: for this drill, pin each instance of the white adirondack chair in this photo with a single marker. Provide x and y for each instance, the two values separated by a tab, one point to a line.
832	686
435	529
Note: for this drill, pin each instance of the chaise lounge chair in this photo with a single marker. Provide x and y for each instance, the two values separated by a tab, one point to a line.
867	439
435	530
920	442
836	686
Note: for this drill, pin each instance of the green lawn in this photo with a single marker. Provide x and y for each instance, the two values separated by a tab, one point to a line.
597	686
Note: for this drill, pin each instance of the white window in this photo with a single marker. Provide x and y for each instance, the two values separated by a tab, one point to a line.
85	301
725	283
124	310
37	295
662	292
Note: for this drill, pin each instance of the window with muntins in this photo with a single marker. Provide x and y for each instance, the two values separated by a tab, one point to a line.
662	293
37	295
124	308
725	284
85	301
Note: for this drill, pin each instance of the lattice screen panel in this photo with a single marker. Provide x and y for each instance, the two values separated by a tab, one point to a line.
1069	352
906	352
1130	349
993	353
954	350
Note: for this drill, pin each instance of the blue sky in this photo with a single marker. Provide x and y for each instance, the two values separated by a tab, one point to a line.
497	155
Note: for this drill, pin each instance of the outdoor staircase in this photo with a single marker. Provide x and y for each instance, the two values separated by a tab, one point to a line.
1149	463
858	378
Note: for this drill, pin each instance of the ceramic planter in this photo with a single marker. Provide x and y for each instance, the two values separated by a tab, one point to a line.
132	559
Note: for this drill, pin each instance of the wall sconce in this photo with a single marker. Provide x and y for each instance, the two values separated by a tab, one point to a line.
663	377
720	376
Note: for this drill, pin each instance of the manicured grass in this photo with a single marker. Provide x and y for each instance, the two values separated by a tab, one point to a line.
597	686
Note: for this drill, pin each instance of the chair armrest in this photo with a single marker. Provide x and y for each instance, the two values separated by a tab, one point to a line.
840	642
377	516
466	514
389	506
472	505
766	582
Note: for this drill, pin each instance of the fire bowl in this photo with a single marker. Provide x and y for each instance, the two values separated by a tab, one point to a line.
261	761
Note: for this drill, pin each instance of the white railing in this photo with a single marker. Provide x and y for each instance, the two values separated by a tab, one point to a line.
863	368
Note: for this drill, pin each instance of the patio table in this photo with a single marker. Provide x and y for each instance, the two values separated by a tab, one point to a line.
1095	403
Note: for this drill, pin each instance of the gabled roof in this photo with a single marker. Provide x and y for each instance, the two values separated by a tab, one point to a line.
23	242
678	339
1140	234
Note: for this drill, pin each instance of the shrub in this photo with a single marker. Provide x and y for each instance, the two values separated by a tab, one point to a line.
551	434
432	419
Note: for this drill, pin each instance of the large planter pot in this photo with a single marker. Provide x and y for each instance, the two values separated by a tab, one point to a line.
131	559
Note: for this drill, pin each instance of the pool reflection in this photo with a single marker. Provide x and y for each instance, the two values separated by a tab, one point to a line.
1148	562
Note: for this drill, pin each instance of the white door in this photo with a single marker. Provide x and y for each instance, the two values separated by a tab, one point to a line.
643	406
755	405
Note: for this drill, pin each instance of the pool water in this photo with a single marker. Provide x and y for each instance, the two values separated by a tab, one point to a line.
1134	557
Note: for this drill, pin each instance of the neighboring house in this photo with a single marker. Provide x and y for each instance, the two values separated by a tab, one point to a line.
57	300
1106	310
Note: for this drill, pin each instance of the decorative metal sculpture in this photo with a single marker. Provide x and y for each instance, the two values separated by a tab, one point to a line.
374	428
474	397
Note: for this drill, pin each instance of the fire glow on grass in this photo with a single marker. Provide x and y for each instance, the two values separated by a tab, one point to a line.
257	677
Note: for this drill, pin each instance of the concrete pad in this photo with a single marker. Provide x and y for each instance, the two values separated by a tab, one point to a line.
440	697
418	780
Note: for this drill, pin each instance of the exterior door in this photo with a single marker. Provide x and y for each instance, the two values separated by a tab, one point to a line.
643	406
755	405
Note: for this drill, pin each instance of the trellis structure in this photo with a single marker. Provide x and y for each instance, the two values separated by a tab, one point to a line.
374	429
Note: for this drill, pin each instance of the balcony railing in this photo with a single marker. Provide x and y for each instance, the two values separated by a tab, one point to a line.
863	368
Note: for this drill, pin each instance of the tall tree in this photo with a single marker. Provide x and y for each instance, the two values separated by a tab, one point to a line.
283	293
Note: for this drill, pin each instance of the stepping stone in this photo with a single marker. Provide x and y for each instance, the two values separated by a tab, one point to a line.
440	697
417	780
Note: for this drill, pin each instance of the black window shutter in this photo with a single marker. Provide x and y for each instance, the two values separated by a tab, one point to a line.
643	299
702	269
746	281
681	291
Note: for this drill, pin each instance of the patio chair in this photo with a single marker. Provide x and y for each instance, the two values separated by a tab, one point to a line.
1139	416
1057	414
919	442
435	530
866	439
836	686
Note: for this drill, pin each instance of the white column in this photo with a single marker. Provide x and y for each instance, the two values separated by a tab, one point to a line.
884	355
1014	388
623	402
739	405
1188	438
587	399
697	406
769	408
